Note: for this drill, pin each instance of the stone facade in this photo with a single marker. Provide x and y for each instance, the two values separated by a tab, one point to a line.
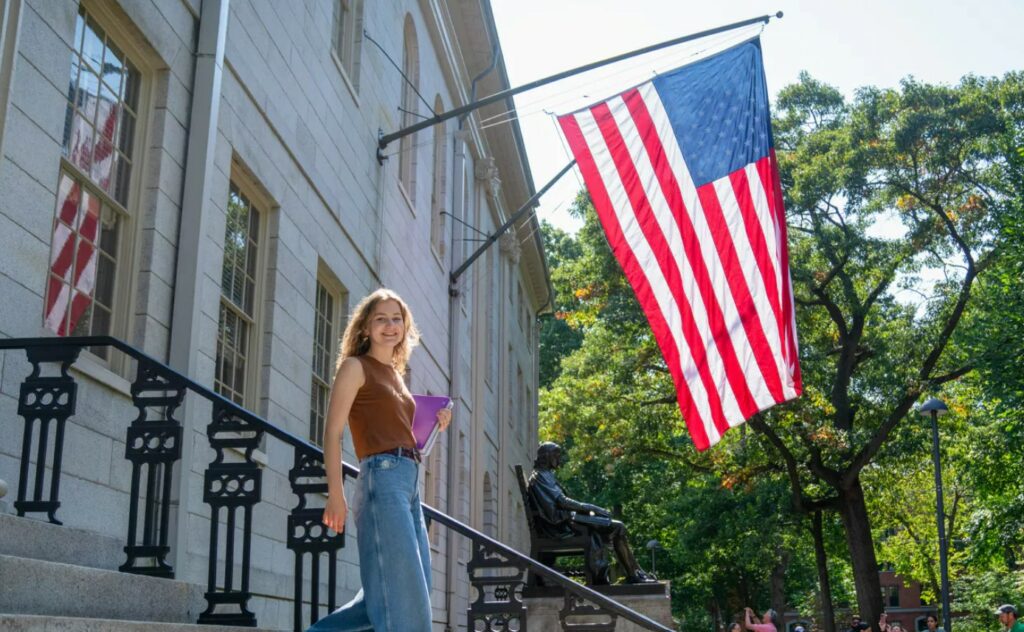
276	102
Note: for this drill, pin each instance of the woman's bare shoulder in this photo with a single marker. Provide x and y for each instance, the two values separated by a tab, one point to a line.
351	371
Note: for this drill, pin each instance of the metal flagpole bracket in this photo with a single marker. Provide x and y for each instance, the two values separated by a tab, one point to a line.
386	139
528	206
380	147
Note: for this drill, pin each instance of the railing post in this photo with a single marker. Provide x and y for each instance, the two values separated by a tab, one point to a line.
597	618
308	534
230	486
42	400
156	445
499	583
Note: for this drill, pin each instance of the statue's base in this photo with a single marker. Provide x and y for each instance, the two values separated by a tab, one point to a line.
543	605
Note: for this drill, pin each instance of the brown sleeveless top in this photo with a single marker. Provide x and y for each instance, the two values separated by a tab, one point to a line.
382	412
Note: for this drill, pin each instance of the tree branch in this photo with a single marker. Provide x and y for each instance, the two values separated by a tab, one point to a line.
952	375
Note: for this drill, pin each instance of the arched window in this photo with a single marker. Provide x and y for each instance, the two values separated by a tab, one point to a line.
409	110
438	187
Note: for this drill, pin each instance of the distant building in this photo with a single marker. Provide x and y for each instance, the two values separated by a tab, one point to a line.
902	601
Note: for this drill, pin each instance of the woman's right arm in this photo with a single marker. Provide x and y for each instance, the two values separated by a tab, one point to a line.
343	392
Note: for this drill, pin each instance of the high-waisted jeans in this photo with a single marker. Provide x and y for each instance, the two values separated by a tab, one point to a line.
394	555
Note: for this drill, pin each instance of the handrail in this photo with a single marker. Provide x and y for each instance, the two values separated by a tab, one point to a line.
199	389
549	573
513	555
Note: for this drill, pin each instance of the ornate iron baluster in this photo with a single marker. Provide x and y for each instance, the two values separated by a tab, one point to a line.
45	399
307	534
230	486
499	585
155	445
576	606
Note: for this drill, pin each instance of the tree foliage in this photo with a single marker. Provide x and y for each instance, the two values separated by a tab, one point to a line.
905	215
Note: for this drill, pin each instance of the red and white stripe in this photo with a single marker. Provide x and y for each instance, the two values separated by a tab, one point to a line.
73	257
708	265
73	254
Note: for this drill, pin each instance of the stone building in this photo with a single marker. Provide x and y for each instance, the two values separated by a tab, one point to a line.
200	179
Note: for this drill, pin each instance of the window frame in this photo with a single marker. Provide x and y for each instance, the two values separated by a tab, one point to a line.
439	189
130	234
248	186
10	25
408	111
341	48
337	292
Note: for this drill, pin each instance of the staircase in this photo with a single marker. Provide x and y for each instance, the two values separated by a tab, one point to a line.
54	578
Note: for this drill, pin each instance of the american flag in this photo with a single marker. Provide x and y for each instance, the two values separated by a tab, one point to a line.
683	176
73	253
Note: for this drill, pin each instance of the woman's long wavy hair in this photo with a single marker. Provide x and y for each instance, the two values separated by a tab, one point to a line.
356	342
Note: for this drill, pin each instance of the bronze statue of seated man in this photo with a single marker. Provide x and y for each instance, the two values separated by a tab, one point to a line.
562	517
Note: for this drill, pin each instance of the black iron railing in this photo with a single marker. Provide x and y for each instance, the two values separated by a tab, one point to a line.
232	488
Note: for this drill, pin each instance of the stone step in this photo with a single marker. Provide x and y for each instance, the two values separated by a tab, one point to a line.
40	540
32	586
37	623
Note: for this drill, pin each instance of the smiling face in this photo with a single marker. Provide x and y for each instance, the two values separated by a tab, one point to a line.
386	326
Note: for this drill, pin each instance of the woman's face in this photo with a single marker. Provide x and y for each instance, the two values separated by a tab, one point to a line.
386	328
734	627
932	623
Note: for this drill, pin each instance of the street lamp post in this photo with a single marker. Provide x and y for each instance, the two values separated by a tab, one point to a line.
933	408
652	546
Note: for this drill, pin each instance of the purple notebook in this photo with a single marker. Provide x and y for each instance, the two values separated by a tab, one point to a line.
424	423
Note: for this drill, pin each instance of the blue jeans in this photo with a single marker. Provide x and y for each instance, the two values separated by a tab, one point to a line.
394	555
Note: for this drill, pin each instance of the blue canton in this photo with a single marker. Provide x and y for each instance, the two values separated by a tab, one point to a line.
718	108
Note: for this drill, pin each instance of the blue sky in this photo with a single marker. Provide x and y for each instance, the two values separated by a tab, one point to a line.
847	44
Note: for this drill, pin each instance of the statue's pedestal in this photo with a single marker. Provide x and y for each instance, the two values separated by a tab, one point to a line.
544	604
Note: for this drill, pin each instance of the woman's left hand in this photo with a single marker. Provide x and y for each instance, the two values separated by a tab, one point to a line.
444	417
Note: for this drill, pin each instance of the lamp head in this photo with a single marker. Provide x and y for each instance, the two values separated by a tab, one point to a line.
933	405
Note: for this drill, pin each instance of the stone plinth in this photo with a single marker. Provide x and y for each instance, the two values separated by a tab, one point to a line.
651	600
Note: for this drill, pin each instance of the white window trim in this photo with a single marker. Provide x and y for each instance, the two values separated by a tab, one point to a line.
351	82
249	186
126	286
326	277
344	76
10	25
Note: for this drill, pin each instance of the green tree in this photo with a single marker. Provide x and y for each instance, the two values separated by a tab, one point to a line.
878	191
557	338
881	193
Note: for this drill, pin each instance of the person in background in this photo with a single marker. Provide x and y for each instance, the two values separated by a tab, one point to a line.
932	623
369	395
769	621
1008	617
735	627
856	625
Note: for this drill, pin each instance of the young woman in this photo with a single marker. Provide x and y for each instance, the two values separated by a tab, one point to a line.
369	394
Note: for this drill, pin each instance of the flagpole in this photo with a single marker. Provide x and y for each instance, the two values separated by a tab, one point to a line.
386	139
526	207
